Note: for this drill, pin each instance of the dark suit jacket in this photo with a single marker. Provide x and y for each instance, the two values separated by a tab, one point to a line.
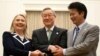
14	46
40	39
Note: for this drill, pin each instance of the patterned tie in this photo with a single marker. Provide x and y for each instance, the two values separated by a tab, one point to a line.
49	33
77	31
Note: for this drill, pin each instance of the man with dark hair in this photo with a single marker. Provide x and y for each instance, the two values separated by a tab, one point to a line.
79	7
45	38
83	38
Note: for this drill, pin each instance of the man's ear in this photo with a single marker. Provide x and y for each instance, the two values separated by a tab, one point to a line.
82	13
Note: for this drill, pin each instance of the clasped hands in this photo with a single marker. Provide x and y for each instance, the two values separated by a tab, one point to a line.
36	53
56	50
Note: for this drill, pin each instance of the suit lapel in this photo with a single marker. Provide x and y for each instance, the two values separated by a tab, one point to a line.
81	33
54	34
70	37
17	39
43	34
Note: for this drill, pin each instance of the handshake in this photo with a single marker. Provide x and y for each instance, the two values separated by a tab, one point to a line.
56	50
37	53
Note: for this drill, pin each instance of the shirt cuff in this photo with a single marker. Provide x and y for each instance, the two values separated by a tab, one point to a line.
29	54
64	51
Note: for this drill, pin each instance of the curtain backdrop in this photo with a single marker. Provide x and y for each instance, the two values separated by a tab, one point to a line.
34	20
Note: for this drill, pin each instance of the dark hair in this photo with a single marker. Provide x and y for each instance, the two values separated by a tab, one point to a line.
80	7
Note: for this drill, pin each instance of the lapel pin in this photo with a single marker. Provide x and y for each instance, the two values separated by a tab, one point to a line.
57	33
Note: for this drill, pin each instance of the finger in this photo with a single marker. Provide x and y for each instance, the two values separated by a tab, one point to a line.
55	54
37	50
54	50
57	46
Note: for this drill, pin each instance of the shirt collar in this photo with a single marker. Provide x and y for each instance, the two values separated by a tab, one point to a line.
81	25
50	28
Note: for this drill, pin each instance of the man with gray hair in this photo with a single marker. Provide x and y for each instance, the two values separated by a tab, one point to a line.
45	38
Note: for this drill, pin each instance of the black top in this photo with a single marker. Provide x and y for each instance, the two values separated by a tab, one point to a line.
14	46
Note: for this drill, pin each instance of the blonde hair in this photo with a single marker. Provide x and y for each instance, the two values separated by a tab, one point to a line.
12	28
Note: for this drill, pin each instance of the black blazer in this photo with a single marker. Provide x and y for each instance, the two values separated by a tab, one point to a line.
14	46
40	39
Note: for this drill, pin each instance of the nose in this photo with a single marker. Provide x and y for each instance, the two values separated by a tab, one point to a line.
20	21
47	17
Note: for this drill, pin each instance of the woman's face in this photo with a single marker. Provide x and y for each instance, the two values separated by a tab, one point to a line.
19	23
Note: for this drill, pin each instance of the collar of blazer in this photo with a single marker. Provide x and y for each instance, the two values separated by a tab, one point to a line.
54	28
54	34
82	31
15	37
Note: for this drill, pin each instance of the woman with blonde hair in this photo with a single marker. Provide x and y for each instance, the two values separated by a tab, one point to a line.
16	42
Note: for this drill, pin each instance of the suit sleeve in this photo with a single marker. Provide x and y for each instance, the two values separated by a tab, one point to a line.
10	47
90	42
63	39
36	44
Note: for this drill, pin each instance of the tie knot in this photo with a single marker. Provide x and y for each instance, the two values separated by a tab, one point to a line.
48	30
77	28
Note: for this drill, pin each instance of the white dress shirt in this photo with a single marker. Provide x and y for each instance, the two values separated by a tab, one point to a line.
48	33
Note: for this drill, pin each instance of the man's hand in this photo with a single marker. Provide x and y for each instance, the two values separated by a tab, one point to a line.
36	53
52	48
59	51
